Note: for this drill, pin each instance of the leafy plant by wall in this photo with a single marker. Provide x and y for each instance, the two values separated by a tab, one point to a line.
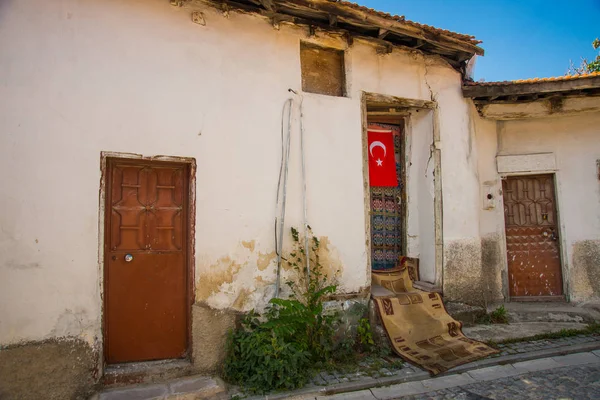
277	351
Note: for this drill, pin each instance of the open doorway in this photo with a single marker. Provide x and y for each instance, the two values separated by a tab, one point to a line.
387	171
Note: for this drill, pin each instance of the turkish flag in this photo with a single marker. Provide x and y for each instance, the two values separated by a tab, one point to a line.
382	160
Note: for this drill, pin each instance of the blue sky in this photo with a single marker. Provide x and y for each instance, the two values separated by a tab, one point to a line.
522	38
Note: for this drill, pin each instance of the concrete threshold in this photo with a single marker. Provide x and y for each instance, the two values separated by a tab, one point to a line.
422	382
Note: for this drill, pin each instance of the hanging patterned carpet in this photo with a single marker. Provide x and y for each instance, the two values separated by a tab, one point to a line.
419	328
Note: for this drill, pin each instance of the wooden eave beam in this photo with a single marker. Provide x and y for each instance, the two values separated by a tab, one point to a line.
256	6
516	89
383	33
333	21
397	27
268	4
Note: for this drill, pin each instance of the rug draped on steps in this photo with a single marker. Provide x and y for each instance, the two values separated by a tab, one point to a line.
418	326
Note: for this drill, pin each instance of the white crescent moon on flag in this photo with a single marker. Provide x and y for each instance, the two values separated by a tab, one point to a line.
377	144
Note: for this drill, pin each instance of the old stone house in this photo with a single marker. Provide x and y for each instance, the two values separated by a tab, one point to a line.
141	142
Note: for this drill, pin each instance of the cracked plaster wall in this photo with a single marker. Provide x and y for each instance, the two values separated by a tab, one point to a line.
142	78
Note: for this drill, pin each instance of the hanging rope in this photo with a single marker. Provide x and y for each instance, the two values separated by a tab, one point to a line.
305	222
282	186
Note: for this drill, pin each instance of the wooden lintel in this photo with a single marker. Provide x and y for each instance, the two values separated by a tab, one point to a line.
383	33
382	100
387	114
512	89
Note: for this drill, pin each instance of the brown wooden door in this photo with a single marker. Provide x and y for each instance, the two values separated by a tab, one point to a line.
146	313
534	268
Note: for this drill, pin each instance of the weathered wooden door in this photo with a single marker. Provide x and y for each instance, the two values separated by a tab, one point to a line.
533	253
146	313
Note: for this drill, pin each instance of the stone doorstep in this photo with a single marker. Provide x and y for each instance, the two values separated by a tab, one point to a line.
190	388
145	372
548	312
486	369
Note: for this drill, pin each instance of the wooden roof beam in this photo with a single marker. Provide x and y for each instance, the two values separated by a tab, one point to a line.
397	27
383	33
511	89
268	4
333	21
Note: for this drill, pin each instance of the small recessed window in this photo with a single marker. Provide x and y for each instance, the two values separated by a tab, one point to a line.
322	70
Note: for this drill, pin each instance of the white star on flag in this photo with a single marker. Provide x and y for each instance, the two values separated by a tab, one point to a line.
379	162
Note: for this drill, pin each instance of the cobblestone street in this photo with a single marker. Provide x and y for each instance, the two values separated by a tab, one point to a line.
571	376
393	366
582	382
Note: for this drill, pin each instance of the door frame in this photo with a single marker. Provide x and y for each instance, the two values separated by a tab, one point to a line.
190	230
402	122
559	226
376	105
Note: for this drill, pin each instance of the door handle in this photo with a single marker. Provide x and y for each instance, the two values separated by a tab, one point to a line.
553	235
128	258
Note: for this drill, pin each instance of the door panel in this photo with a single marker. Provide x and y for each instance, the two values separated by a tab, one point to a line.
533	252
146	261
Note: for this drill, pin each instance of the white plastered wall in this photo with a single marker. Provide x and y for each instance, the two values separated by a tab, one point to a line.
421	193
81	77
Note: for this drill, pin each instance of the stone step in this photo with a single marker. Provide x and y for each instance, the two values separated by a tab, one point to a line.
465	313
548	312
189	388
146	372
514	330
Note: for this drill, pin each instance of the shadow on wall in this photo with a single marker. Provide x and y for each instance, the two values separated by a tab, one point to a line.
492	256
63	368
585	271
462	272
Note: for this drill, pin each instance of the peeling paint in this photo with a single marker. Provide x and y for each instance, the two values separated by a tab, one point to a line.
221	272
264	260
329	258
249	245
260	280
242	299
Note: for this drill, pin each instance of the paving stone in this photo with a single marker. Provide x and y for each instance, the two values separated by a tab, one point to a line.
360	384
397	391
450	381
491	373
197	384
360	395
577	359
536	365
146	392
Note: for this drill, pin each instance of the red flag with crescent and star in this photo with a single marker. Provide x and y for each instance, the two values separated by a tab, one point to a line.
382	159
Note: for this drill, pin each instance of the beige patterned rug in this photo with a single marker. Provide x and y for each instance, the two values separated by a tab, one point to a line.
419	328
